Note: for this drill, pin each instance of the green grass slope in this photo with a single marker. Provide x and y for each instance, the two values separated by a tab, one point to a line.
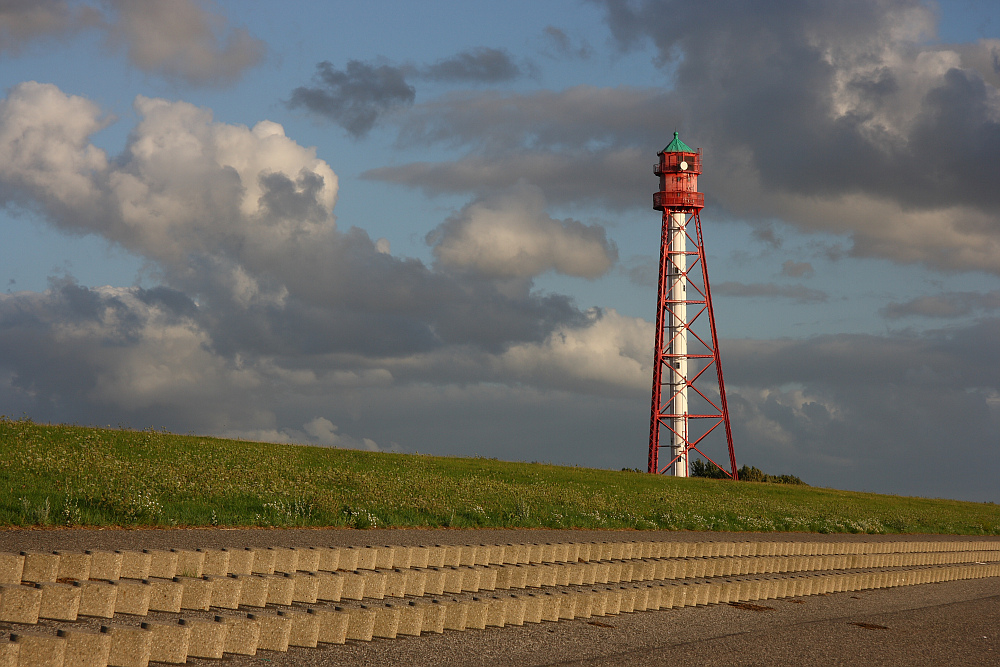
69	475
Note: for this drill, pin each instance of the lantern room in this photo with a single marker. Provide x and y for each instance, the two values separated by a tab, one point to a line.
678	170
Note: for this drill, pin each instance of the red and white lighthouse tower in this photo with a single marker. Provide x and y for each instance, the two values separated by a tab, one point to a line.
687	405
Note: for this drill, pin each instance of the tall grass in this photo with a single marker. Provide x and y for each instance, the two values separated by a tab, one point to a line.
69	475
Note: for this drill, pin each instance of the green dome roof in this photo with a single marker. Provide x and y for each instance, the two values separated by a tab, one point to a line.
677	146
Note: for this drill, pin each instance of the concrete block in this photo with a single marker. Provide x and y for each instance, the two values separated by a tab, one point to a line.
452	555
534	553
559	552
38	650
105	565
215	562
306	587
226	591
572	552
467	555
263	560
73	565
395	583
483	554
286	561
242	635
19	604
434	581
208	637
384	557
476	616
11	567
348	559
386	621
550	574
135	564
598	601
329	587
584	604
275	631
416	582
435	556
169	643
496	611
667	591
329	559
470	579
584	550
574	574
534	576
361	623
367	558
60	602
642	598
309	558
97	598
511	552
568	603
411	619
400	557
532	607
515	609
165	595
653	596
253	589
130	647
85	648
196	593
602	572
419	557
305	628
132	597
487	577
162	563
240	561
613	601
39	566
548	553
519	576
453	579
375	582
434	617
8	653
353	586
190	563
627	604
280	589
332	625
550	606
684	596
455	615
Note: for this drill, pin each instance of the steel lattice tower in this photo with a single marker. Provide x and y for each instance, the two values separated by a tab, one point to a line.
686	405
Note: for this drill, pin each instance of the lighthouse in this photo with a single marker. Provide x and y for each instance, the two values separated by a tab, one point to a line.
686	405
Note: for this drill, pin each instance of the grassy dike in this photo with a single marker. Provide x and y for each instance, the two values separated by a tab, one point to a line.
69	475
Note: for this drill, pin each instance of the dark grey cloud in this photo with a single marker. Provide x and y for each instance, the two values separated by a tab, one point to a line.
947	305
799	293
562	46
794	269
356	96
480	65
23	22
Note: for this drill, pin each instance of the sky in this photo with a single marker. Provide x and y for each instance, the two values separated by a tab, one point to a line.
427	226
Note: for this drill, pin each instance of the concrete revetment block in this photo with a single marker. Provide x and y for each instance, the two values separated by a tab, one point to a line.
642	598
135	564
476	616
285	560
196	594
411	619
190	563
8	653
386	621
280	589
434	617
60	602
534	576
263	561
452	555
627	604
73	565
37	650
97	598
353	587
653	596
208	637
467	555
367	558
395	583
226	591
584	604
309	558
419	557
329	587
416	582
455	615
329	559
132	597
11	567
332	625
165	595
39	566
105	565
305	628
348	559
275	631
435	556
253	589
453	579
400	558
496	611
551	604
384	557
215	562
130	647
532	608
514	612
375	582
242	635
361	623
162	564
241	561
85	648
487	577
470	579
169	643
19	604
306	587
434	580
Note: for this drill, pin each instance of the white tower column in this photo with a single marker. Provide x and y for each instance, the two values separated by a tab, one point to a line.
677	333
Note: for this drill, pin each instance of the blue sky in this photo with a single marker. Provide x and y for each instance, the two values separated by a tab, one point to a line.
451	249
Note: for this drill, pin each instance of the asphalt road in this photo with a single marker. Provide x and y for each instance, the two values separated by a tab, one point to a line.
953	623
